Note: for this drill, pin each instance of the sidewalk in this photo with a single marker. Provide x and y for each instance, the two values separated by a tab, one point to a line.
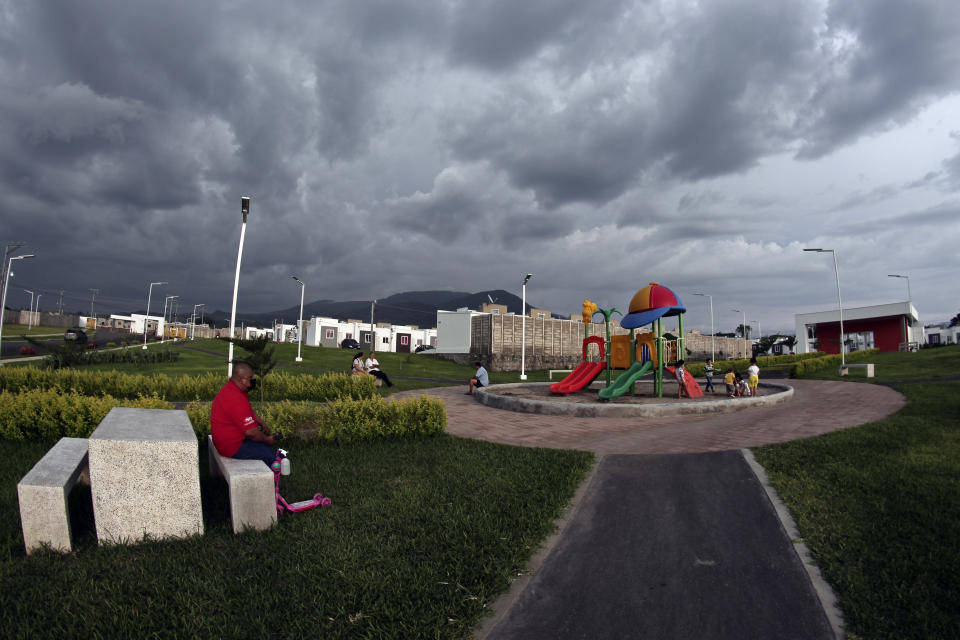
664	546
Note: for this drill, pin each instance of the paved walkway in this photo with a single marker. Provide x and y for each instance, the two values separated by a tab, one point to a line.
817	407
661	546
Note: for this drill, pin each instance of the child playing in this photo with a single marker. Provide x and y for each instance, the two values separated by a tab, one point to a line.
681	380
754	372
742	389
730	379
708	371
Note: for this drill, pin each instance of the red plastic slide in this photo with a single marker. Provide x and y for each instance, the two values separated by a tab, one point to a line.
582	376
688	382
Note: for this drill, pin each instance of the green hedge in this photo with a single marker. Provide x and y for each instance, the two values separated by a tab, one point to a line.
50	414
740	364
829	362
185	388
344	419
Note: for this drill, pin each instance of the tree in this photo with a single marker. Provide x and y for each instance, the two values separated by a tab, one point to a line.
766	343
955	320
261	358
743	331
790	342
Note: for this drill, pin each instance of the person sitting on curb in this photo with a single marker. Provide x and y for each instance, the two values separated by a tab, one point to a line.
480	379
373	368
237	430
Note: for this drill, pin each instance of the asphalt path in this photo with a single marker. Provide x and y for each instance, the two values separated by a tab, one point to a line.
669	546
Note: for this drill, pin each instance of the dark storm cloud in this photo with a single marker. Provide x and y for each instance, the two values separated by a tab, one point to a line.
889	58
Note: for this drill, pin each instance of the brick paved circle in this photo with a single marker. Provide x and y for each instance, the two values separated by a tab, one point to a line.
817	407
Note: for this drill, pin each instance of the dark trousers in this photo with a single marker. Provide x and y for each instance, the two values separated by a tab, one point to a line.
250	450
376	373
709	386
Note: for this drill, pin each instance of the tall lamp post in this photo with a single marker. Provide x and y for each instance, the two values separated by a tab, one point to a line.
163	335
193	322
713	338
146	320
743	326
907	278
37	309
523	330
836	273
29	309
6	285
244	209
300	325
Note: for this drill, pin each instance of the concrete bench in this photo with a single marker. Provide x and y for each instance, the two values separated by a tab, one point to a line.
253	500
550	372
846	370
43	494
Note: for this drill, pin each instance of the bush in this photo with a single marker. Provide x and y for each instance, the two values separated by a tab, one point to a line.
344	419
740	364
184	388
48	414
828	362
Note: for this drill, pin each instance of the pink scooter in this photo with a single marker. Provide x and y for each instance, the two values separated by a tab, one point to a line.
281	466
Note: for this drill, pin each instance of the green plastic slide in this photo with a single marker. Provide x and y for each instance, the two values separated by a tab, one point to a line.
625	380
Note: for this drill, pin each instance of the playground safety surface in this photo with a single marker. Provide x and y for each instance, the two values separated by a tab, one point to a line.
689	545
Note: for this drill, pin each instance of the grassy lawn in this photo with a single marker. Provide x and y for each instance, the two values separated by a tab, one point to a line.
12	331
422	537
926	364
879	505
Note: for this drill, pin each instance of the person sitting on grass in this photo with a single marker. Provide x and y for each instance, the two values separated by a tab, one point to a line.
237	430
357	367
373	368
730	380
480	379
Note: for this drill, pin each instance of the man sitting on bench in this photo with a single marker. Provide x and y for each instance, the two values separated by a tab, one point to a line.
237	430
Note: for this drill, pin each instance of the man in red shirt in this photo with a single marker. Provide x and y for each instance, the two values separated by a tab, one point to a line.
237	430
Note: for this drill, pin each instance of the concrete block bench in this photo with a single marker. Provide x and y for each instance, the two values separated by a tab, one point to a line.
145	475
252	492
43	495
868	367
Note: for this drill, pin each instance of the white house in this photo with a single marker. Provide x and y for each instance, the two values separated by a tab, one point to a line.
453	330
887	327
942	334
135	323
330	332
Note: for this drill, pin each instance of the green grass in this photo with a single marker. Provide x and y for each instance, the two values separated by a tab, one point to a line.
879	505
940	362
423	535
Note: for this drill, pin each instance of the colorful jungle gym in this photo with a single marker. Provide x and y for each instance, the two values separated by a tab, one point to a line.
639	353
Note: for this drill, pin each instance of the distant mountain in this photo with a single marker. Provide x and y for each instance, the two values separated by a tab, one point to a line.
411	307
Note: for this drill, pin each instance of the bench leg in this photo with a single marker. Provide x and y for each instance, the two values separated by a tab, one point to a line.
45	517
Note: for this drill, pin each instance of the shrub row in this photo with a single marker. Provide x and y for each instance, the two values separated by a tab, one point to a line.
344	419
741	364
49	414
136	357
277	386
828	362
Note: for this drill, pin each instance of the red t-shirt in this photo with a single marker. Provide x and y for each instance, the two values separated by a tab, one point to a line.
230	416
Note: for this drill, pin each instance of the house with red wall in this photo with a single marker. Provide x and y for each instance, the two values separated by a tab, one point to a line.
887	327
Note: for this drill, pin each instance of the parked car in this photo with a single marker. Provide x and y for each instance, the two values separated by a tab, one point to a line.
349	343
76	334
424	347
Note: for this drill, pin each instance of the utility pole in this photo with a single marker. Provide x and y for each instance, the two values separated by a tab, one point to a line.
93	296
7	251
372	331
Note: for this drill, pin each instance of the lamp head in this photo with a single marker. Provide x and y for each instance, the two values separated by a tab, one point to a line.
527	279
245	206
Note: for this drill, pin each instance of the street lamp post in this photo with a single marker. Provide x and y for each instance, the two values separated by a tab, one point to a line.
163	335
193	321
907	278
29	309
6	285
743	327
146	320
713	339
245	210
523	329
836	272
300	325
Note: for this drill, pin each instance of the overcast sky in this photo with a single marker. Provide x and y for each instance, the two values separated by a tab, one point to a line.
395	145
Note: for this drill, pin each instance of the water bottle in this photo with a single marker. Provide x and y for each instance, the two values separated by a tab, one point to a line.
285	467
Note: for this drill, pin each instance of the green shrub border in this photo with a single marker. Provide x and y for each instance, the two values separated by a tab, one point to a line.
828	362
51	414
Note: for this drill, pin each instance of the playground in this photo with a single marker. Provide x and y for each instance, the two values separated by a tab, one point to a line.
637	375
